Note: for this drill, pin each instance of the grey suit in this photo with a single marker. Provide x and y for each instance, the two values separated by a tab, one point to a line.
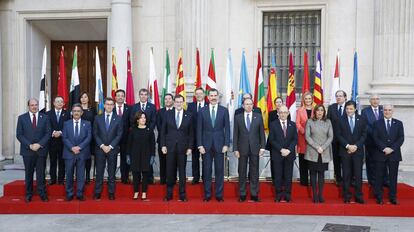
249	142
318	133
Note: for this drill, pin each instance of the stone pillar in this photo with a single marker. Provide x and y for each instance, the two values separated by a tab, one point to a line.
121	38
1	105
393	47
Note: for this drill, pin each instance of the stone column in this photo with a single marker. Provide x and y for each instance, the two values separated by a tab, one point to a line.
121	38
1	105
393	47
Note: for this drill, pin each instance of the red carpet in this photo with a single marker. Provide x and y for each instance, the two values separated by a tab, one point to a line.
13	202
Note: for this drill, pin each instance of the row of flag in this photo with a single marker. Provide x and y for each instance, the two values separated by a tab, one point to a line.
262	99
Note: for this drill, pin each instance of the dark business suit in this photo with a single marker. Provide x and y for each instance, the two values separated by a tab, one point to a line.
151	113
83	140
335	116
213	138
109	137
28	135
394	138
352	163
177	141
163	159
124	167
370	145
283	166
248	142
56	146
193	108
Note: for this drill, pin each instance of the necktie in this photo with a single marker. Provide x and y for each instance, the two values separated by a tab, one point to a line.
351	124
107	122
119	111
177	120
199	107
57	116
284	128
340	111
376	114
248	122
213	116
34	124
143	107
388	126
77	129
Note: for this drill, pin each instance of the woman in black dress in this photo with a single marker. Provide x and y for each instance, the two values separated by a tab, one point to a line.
89	113
141	145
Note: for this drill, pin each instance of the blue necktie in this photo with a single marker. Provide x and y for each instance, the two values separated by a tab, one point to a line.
177	120
107	122
352	124
388	126
58	116
77	129
213	116
248	122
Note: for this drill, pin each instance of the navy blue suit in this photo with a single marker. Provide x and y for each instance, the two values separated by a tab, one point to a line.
28	135
195	157
283	166
352	163
370	145
56	146
83	140
124	167
213	139
177	141
162	158
394	138
108	137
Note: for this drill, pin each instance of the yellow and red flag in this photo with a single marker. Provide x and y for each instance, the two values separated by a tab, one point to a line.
180	82
114	75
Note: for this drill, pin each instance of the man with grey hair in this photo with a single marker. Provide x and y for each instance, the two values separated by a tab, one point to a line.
372	113
388	134
33	132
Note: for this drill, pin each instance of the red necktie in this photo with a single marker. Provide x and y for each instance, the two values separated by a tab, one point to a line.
34	124
119	111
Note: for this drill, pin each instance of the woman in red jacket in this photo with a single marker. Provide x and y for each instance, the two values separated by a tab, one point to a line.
302	115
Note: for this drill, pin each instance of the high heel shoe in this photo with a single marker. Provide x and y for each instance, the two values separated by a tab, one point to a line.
315	199
136	194
321	200
144	196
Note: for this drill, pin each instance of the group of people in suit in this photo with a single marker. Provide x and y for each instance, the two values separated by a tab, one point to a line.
202	131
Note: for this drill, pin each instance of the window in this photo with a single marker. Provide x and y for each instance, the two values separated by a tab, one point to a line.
297	31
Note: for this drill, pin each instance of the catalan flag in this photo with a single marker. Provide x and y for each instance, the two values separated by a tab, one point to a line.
114	75
180	82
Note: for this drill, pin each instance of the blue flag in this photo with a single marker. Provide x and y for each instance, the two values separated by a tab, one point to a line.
355	95
244	81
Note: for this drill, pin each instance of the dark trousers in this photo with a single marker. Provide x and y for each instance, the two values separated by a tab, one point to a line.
352	168
317	178
303	170
283	170
272	171
163	166
57	164
108	161
370	165
218	159
124	167
176	160
32	163
253	161
70	165
195	164
392	167
88	166
337	162
136	179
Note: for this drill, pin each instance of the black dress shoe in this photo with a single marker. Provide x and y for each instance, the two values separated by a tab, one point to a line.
81	198
394	201
255	198
347	201
359	201
380	201
28	199
315	199
97	197
111	197
278	198
44	198
61	182
69	198
124	181
194	182
167	198
163	182
52	182
207	199
183	199
219	199
288	199
242	198
321	199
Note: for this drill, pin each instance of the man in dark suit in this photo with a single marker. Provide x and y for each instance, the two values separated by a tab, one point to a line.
168	102
352	132
107	130
241	110
213	139
336	112
76	137
194	108
176	142
389	136
57	117
248	145
33	132
151	112
371	113
283	138
122	110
